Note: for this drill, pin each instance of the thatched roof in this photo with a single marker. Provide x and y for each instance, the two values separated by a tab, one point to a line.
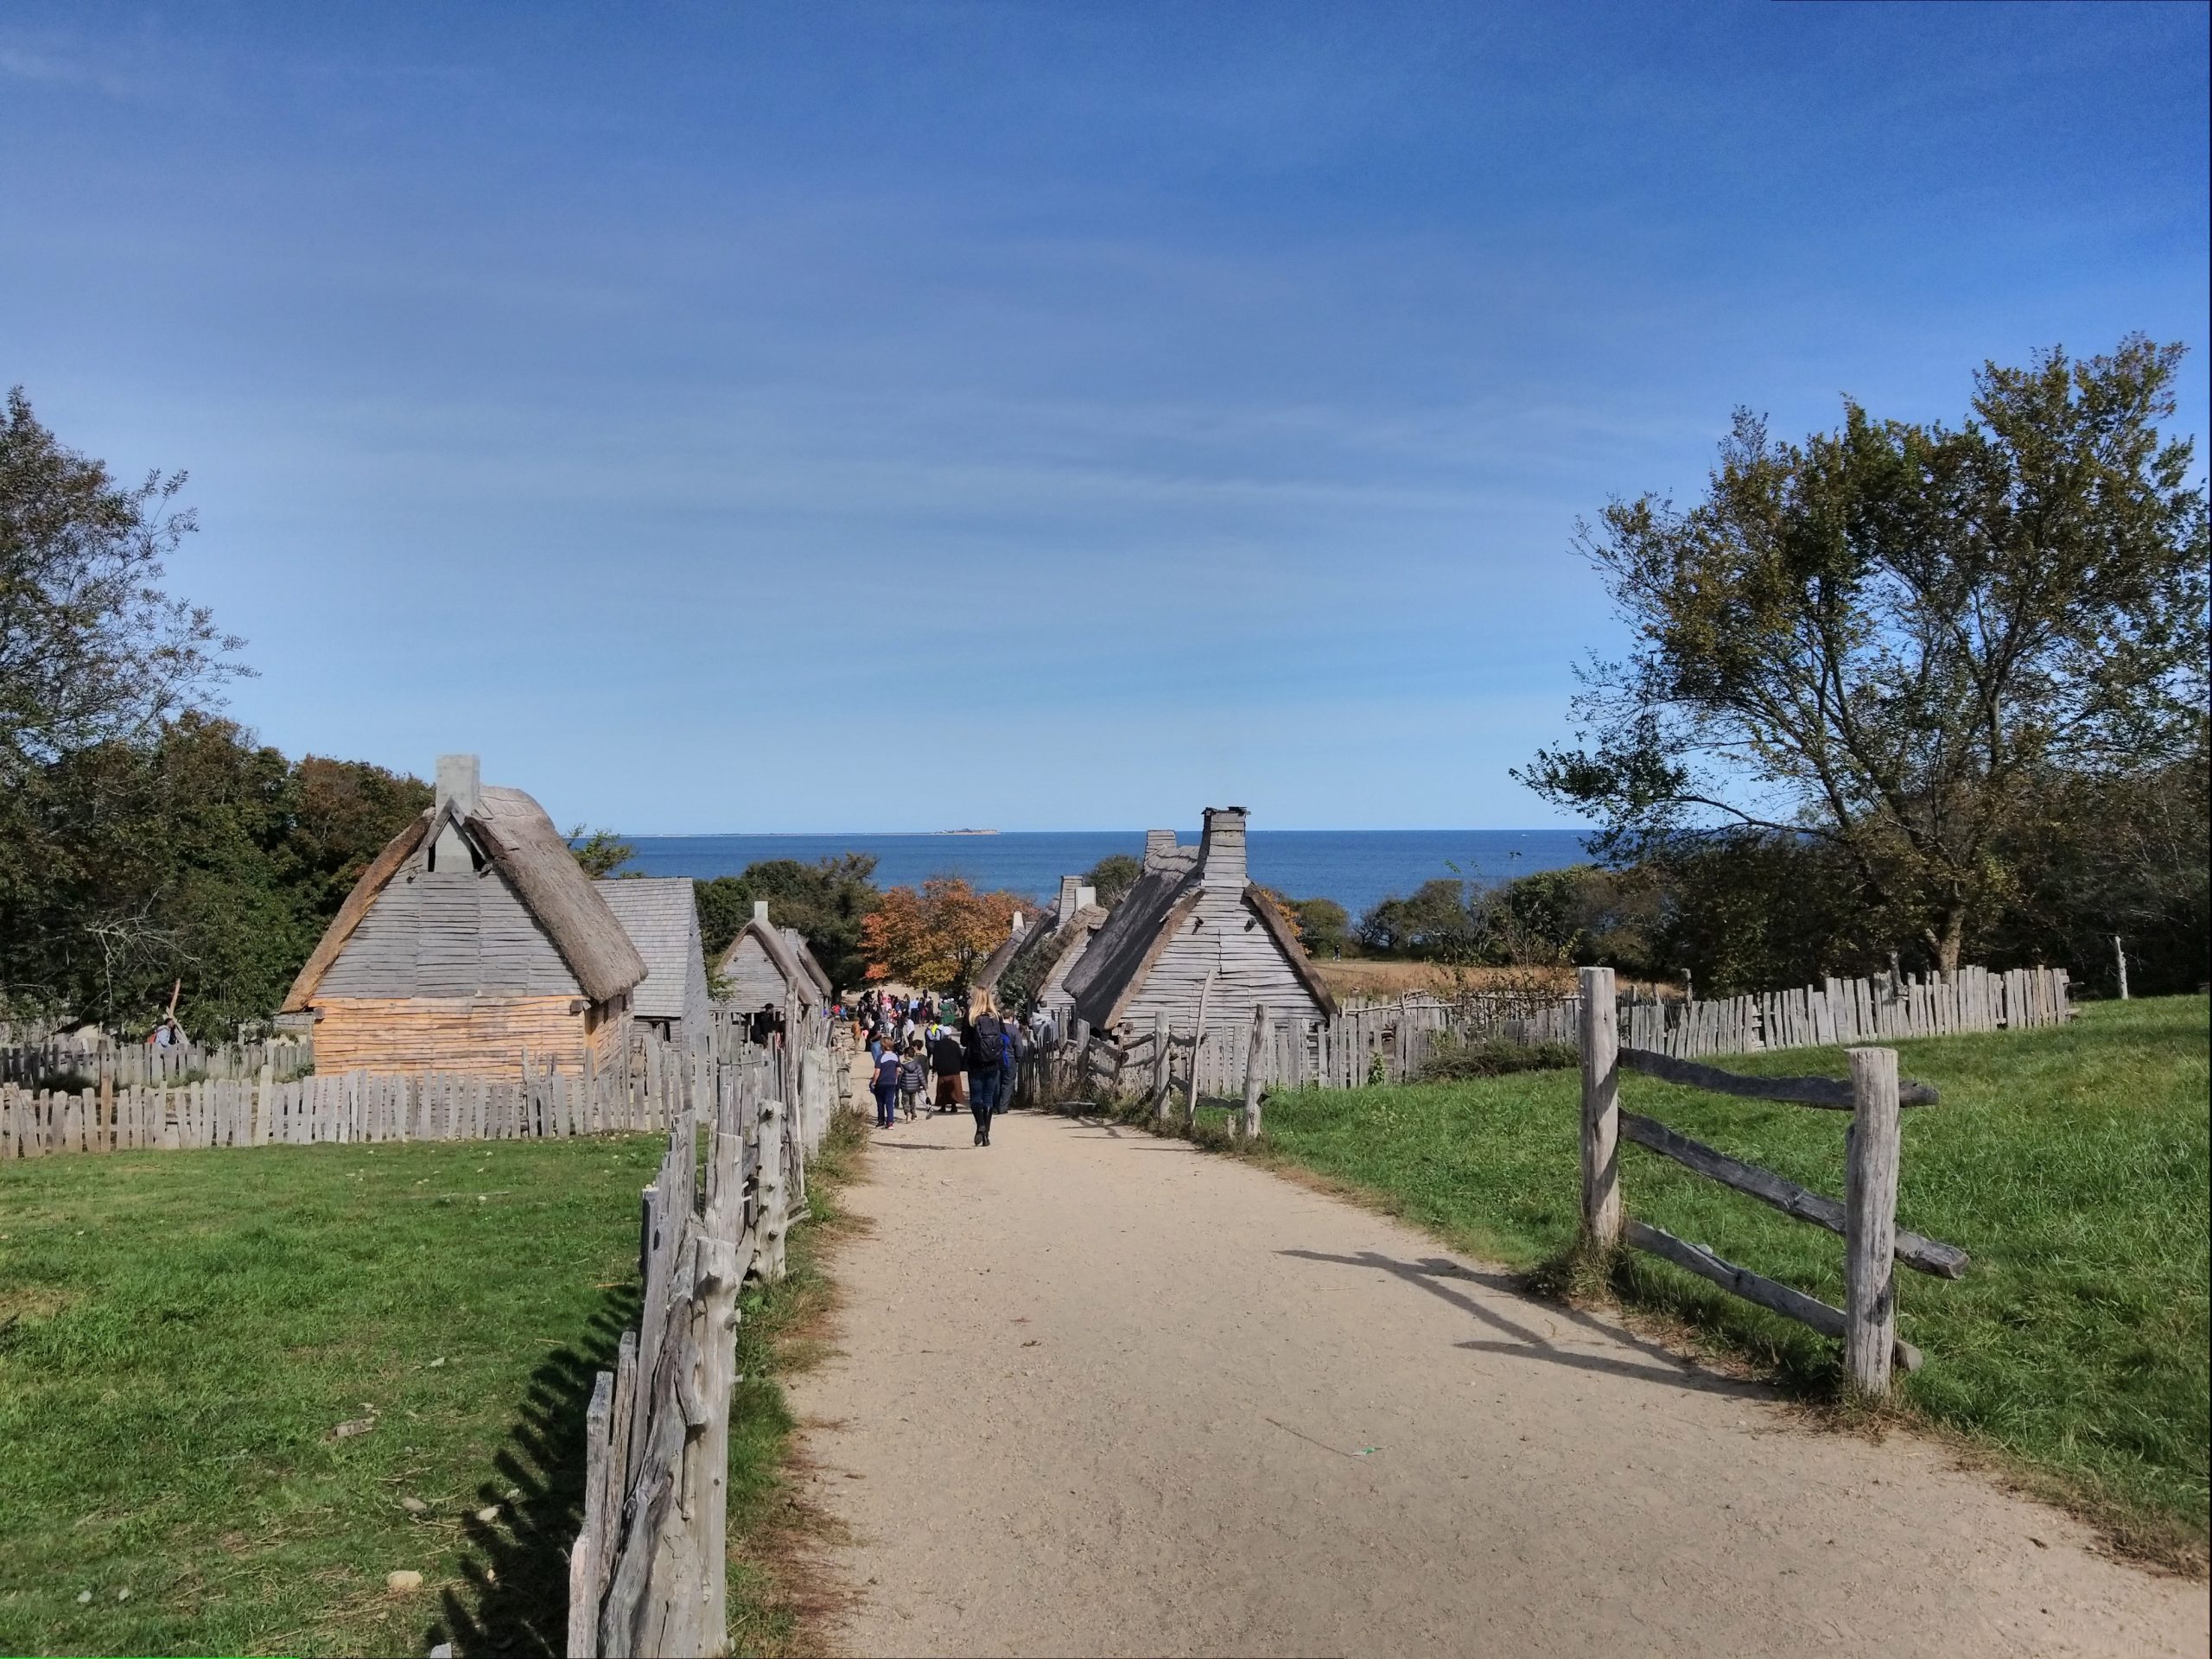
803	953
512	831
996	964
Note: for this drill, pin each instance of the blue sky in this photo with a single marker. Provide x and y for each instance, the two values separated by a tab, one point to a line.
850	416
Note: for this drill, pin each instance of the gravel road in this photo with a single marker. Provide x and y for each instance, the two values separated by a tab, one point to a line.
1099	1392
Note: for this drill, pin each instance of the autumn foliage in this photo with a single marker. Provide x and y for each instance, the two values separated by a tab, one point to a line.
937	937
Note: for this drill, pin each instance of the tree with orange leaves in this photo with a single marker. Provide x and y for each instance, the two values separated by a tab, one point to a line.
936	938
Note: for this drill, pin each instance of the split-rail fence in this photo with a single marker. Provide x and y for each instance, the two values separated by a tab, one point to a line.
1866	1216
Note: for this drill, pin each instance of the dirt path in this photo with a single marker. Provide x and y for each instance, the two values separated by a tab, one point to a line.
1099	1393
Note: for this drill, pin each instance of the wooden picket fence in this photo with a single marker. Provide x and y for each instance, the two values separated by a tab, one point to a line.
1866	1216
648	1573
363	1106
1394	1042
130	1065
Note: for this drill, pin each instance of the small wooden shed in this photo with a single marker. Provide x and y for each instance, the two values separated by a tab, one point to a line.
1194	931
661	916
765	963
472	940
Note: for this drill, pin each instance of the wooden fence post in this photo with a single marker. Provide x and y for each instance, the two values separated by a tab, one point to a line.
1160	1086
1252	1071
1601	1110
1197	1047
1869	1197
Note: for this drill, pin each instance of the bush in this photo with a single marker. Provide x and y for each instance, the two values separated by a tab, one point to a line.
1494	1057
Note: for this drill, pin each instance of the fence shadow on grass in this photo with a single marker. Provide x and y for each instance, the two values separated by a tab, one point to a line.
515	1602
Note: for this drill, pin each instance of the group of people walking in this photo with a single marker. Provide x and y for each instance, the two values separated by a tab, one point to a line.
922	1049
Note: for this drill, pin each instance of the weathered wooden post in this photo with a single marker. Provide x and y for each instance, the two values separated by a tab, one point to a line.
775	1214
1161	1087
1252	1071
1197	1048
1869	1197
2120	953
1601	1110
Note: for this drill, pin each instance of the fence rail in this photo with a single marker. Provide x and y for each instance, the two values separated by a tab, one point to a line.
1866	1217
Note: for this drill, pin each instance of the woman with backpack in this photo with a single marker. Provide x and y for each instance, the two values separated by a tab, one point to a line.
986	1035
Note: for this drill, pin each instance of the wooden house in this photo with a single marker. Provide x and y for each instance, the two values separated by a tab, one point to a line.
765	963
1034	972
472	940
661	916
1194	932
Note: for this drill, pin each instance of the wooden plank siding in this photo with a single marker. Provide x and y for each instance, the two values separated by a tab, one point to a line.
479	1036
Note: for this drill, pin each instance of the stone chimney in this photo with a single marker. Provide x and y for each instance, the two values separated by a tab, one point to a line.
1071	896
1221	851
1017	924
461	787
460	781
1086	897
1157	842
760	911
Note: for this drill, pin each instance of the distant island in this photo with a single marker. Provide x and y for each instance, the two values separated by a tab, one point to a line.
964	832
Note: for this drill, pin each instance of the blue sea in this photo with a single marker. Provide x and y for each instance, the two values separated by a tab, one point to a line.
1353	866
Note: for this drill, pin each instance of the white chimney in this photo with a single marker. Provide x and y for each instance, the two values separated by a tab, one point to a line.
1017	924
1157	842
460	781
1221	852
760	911
1086	897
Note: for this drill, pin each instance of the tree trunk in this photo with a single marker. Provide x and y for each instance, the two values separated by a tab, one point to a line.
1948	940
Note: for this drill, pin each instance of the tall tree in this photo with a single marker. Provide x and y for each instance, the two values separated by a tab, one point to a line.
1892	638
92	650
937	938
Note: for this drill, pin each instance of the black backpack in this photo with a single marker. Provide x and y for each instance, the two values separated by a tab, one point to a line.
990	1034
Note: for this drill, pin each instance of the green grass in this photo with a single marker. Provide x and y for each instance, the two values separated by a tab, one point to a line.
180	1333
2071	1163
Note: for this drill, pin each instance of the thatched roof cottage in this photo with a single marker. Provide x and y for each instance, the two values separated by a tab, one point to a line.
661	916
1195	929
472	939
765	963
1034	972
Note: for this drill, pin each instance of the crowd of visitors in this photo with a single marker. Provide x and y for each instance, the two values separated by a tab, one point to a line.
937	1050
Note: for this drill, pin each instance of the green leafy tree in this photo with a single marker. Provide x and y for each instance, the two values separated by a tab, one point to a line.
1112	877
1893	638
1323	926
601	852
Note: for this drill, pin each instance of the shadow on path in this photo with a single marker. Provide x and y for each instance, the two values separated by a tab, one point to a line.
1430	1272
515	1603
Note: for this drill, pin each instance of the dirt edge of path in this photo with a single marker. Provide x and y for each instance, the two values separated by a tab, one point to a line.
793	1542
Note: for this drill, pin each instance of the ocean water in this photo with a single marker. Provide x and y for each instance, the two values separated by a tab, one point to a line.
1353	866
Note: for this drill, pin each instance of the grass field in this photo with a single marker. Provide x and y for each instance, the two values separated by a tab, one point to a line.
183	1334
2071	1163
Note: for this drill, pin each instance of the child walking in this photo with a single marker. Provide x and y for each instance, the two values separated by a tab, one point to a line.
913	1078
